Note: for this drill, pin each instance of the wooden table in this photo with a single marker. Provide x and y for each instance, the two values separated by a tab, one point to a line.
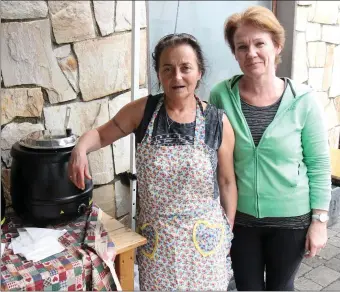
126	241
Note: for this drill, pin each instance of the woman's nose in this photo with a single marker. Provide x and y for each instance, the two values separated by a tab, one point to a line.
178	74
252	52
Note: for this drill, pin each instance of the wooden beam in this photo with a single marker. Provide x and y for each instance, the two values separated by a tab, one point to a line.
274	7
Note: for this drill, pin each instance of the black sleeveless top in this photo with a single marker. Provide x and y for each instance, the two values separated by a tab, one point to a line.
177	133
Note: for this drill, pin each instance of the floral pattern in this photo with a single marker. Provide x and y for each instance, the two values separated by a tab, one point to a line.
178	213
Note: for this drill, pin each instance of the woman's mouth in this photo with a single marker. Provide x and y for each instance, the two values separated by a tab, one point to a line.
177	87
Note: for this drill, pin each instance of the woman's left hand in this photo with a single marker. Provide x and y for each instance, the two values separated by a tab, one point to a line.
316	238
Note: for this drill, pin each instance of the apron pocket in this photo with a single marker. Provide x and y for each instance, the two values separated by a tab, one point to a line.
207	237
150	233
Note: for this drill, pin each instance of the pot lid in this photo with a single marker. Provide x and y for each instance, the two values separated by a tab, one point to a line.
49	139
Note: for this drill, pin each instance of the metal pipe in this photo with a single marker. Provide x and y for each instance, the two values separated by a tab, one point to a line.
135	60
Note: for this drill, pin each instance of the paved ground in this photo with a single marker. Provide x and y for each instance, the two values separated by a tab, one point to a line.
322	272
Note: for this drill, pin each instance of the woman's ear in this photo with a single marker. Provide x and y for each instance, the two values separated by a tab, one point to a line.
278	50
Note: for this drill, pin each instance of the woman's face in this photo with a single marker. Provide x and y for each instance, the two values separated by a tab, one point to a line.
255	51
179	71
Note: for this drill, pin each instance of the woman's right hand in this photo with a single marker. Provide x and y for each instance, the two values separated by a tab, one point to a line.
78	168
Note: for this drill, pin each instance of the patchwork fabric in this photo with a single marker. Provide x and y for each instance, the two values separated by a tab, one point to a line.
79	267
188	235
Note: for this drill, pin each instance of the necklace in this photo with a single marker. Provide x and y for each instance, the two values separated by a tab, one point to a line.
167	120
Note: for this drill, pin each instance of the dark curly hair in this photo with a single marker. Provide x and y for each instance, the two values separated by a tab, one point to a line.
173	40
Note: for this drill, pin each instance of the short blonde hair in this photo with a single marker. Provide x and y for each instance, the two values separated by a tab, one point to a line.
259	17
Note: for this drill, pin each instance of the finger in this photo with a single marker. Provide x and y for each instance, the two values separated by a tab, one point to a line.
307	244
80	177
87	172
312	252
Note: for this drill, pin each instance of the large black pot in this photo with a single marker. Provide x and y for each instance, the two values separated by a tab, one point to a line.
40	187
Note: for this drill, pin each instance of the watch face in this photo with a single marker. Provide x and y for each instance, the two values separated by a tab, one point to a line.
323	217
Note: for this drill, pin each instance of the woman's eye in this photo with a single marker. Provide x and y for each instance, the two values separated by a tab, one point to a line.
167	69
260	44
241	47
186	69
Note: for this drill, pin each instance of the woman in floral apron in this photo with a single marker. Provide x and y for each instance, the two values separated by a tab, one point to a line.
186	183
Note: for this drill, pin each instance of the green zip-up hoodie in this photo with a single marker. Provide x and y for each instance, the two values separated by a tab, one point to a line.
288	173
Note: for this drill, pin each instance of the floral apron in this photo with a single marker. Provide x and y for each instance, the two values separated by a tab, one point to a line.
188	234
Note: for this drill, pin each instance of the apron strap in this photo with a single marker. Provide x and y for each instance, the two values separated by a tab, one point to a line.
199	124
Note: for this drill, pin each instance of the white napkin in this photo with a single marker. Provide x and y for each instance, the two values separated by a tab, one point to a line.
37	243
3	245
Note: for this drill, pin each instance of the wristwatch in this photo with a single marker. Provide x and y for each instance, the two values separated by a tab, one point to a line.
323	217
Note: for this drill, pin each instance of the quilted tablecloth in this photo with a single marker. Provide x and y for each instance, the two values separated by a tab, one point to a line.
80	266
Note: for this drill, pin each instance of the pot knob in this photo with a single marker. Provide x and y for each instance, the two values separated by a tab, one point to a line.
82	208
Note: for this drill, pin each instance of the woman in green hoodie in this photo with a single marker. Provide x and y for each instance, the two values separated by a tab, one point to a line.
281	158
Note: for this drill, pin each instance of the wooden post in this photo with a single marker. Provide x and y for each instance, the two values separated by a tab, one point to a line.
124	267
274	7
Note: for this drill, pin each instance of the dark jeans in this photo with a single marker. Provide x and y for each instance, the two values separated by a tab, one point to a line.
277	251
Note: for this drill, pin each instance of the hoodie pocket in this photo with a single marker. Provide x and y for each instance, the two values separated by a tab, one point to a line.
289	174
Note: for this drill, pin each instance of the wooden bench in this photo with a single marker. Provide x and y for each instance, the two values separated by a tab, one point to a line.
126	242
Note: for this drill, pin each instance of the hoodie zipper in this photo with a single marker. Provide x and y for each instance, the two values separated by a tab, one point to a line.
271	125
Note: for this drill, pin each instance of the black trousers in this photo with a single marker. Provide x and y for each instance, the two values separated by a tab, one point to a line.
277	251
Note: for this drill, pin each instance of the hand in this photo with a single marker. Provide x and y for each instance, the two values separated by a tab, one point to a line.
316	238
78	168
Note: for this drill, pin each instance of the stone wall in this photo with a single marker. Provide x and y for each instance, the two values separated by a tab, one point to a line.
316	56
59	54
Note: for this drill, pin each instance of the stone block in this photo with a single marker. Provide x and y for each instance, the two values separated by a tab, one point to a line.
328	68
315	78
20	102
104	12
301	18
104	197
6	184
68	64
126	220
325	12
71	21
335	84
333	137
11	134
23	9
299	63
123	199
322	98
303	284
329	252
303	270
333	264
6	157
316	54
322	275
335	227
105	65
313	32
335	286
304	3
331	233
27	58
314	262
124	15
331	34
337	105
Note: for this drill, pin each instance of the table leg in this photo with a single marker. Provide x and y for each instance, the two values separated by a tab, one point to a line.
125	269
